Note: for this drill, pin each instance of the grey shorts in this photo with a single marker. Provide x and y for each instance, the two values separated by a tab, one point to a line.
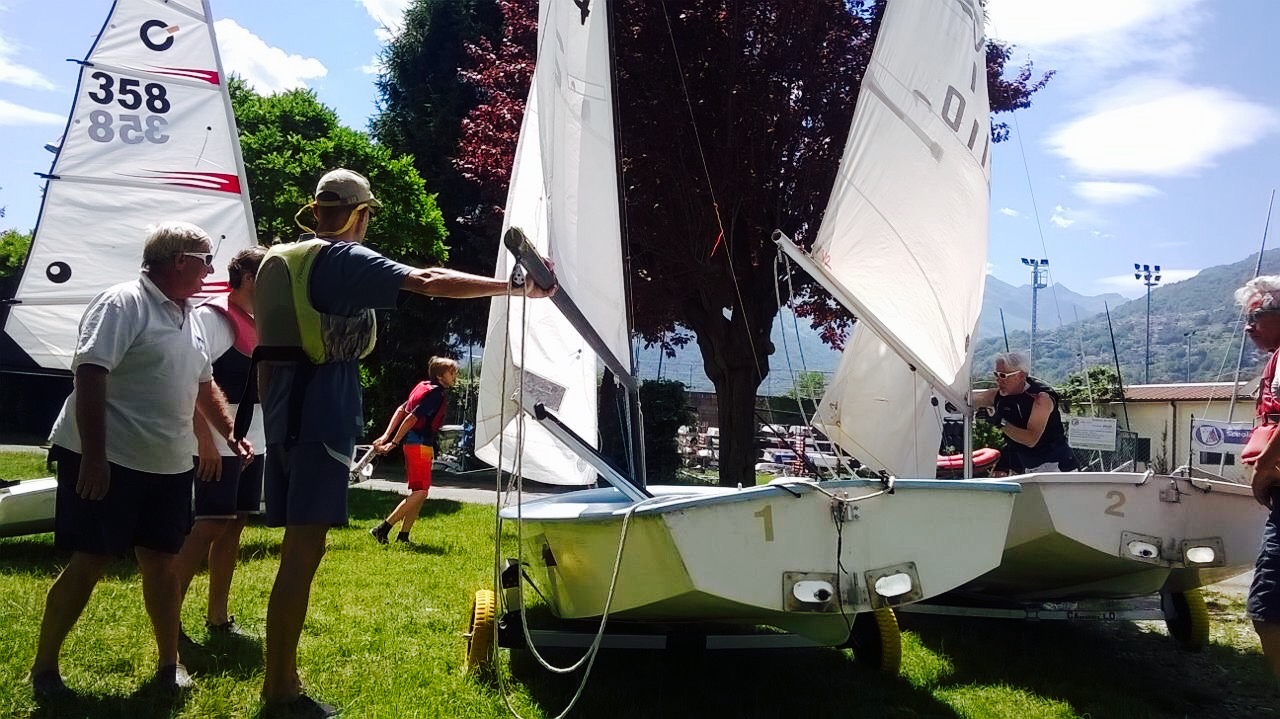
307	483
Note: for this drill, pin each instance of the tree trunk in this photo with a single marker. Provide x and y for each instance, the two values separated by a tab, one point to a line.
736	403
736	361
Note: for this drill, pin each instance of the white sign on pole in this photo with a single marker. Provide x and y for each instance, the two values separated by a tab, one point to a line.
1210	436
1097	433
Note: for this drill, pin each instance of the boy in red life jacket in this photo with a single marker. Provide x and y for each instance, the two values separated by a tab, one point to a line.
413	427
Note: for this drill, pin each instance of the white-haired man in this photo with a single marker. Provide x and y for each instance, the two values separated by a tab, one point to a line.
1029	415
1260	299
123	445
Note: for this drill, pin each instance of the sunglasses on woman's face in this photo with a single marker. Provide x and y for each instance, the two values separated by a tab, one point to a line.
1006	375
1253	315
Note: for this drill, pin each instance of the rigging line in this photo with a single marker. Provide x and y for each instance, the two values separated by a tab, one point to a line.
1235	380
1035	209
697	137
786	346
1257	270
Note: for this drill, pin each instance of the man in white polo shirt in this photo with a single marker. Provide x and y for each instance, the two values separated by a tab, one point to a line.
123	445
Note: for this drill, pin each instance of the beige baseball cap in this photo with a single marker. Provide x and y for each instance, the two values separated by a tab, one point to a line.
342	187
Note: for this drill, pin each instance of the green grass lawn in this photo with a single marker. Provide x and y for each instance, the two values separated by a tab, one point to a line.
383	639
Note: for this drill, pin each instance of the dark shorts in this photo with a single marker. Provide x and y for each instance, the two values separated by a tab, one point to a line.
140	509
307	483
237	491
1264	595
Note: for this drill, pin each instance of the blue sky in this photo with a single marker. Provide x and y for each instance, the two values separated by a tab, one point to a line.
1157	142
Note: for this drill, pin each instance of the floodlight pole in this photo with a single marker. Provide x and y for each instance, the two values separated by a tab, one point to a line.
1037	284
1149	277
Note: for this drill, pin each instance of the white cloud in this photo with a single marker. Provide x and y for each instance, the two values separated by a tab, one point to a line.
375	67
1009	212
12	114
18	74
1114	193
267	69
388	14
1059	217
1161	128
1094	36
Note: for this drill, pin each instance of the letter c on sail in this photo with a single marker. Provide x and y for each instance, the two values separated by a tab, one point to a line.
144	33
58	272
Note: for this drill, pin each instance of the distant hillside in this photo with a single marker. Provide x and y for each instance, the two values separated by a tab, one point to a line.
1058	306
808	353
1202	305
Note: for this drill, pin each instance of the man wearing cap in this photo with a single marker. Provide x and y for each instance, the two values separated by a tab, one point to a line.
1260	300
315	302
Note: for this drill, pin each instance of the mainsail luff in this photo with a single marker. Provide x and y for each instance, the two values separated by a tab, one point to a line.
150	137
905	233
564	197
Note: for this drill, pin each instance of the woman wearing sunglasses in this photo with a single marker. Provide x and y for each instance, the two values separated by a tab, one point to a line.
1029	415
1260	299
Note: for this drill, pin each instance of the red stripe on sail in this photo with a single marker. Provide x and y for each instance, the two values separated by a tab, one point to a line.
213	289
190	73
220	181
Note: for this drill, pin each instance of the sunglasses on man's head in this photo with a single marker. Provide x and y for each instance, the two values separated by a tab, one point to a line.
1252	316
207	257
1006	375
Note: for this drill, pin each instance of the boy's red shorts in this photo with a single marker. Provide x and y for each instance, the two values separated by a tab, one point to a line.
417	465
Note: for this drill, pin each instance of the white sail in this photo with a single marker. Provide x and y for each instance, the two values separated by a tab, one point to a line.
905	233
878	410
151	137
564	196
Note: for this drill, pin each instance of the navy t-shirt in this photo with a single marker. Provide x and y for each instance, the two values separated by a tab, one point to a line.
346	279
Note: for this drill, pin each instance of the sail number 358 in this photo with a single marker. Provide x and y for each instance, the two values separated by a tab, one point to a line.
130	94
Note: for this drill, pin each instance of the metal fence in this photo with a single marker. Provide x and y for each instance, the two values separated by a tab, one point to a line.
1123	458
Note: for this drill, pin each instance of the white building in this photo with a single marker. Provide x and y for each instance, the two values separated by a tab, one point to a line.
1161	414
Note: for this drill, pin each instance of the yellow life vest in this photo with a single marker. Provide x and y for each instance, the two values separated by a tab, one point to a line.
289	327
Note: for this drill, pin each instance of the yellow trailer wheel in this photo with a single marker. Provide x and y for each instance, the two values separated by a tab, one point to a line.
480	632
876	640
1187	616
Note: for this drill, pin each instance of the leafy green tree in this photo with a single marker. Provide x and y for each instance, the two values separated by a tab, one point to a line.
289	140
809	386
666	409
13	252
1092	388
424	99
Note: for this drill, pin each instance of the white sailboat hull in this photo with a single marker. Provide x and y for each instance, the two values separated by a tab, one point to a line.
1086	535
27	507
736	556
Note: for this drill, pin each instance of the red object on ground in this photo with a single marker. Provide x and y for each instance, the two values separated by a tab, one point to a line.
982	459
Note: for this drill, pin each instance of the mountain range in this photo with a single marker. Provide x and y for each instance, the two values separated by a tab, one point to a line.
1195	334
